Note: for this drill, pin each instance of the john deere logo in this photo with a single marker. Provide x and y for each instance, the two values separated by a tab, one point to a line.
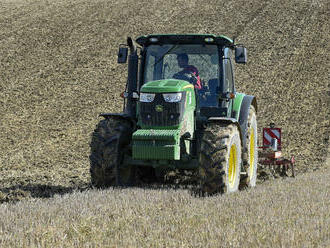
159	108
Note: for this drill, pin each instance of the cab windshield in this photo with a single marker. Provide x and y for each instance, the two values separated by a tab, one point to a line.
193	63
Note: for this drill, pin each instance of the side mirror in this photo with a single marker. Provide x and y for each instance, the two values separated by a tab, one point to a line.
122	55
240	55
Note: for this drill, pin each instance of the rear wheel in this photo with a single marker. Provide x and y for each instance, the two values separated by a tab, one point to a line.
109	145
220	159
250	155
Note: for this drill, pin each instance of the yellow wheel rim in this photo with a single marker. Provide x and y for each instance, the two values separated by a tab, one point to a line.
232	165
251	152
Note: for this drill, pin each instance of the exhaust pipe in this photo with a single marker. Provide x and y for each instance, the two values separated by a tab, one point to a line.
132	81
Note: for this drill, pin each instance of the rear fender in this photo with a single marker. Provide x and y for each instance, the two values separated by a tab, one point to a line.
118	116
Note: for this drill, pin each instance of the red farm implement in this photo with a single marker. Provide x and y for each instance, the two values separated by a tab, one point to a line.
270	152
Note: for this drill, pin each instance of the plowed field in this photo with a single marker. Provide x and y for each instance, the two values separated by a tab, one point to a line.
58	71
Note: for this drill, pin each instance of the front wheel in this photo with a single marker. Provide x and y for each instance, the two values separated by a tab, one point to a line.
220	159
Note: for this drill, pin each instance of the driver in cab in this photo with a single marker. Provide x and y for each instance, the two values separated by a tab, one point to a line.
188	72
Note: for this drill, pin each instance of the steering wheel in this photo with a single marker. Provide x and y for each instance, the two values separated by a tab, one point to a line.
187	76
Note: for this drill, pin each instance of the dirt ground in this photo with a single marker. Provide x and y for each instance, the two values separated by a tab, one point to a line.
58	71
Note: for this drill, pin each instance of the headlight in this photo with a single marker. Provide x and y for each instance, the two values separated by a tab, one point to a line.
172	97
147	97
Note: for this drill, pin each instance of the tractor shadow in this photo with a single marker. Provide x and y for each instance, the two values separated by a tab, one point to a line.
174	182
19	192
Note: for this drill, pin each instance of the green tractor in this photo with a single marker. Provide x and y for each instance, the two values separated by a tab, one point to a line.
181	113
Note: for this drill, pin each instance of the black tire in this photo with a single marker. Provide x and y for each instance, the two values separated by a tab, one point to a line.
250	154
220	159
109	145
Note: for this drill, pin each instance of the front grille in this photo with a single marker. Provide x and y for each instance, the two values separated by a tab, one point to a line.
168	114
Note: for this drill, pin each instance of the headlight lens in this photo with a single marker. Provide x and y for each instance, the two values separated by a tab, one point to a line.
172	97
147	97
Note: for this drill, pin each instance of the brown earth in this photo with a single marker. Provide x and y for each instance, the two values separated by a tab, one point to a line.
58	71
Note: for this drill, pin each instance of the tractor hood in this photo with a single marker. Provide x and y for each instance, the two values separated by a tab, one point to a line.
164	103
166	85
163	118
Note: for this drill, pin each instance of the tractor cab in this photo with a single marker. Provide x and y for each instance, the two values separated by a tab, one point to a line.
205	61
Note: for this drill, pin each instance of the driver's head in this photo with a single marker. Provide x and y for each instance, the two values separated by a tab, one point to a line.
182	60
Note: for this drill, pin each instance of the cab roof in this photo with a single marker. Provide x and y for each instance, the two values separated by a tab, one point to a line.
184	39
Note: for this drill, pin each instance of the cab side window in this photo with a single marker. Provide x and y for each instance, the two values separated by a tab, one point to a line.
228	77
